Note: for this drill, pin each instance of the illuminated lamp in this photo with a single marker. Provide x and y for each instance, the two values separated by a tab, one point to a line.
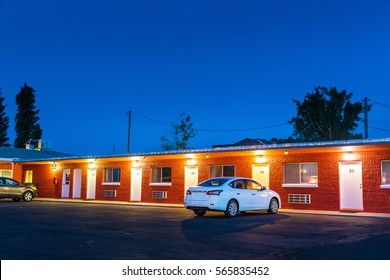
92	164
349	156
191	162
260	159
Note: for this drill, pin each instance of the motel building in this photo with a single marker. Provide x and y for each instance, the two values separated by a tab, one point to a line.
347	175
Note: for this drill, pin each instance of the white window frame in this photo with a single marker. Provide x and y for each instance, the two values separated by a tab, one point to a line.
111	183
299	185
384	185
164	184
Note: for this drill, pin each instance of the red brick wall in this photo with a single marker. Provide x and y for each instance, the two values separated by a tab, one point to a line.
6	166
43	175
375	199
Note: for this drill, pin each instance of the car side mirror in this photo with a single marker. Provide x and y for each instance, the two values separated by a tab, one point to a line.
263	188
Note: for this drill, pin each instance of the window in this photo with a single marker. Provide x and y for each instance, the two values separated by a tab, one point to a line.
112	176
222	171
385	174
161	176
6	173
213	183
300	175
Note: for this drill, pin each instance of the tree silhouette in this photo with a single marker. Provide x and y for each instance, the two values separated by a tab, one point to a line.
26	119
180	135
326	114
4	123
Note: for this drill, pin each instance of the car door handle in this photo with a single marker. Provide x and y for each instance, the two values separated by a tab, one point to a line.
238	193
253	194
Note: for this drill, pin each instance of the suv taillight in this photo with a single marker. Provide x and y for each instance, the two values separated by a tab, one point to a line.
214	192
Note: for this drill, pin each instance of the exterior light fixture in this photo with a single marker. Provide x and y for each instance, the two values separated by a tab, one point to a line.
286	152
207	155
92	164
349	156
191	162
260	159
54	165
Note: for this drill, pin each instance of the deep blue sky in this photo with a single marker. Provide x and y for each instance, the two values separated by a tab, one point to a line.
229	64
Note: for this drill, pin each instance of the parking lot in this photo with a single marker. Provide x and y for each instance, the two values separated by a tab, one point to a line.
74	231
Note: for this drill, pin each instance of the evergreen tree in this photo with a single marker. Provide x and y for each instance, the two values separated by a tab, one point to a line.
4	123
26	126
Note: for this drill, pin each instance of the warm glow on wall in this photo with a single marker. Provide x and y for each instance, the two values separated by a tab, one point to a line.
92	164
259	152
349	156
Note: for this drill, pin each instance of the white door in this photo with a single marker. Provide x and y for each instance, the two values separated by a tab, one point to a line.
77	175
65	183
91	184
190	177
260	173
351	189
136	184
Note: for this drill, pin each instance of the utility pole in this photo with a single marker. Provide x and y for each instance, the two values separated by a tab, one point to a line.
128	131
366	108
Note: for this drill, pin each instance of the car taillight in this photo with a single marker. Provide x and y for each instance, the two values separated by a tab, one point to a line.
188	192
214	192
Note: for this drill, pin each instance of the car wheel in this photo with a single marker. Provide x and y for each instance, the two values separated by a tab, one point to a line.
27	196
232	208
273	206
16	199
200	213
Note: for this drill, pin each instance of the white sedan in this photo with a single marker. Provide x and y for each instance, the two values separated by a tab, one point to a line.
231	195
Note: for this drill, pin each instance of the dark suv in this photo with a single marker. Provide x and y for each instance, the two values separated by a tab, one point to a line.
9	188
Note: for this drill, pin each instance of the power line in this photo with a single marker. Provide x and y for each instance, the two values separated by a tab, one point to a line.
378	128
382	104
212	130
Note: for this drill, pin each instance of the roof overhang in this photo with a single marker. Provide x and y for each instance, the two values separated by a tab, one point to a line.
272	149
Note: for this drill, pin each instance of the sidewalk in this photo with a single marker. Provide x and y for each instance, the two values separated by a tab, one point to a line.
170	205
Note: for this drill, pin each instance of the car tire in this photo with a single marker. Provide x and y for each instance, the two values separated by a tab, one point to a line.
27	196
16	199
273	206
232	208
200	213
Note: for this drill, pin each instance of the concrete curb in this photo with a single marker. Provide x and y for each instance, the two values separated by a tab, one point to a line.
169	205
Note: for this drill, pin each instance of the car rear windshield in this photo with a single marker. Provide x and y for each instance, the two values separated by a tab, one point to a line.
213	182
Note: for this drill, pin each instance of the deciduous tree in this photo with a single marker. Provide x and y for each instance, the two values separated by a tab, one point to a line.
326	114
181	133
